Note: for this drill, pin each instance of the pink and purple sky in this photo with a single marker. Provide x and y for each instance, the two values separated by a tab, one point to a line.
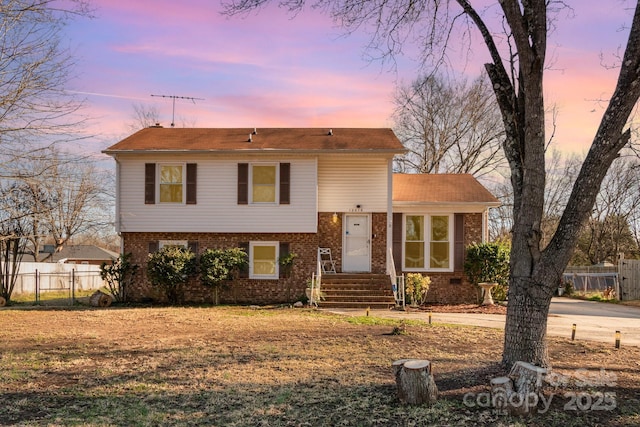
270	69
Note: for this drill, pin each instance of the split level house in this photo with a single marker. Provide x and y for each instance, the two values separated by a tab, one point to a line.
295	190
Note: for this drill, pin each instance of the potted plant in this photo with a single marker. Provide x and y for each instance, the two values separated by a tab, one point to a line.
317	294
487	266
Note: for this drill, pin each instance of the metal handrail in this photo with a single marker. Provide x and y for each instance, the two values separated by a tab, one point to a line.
316	280
397	282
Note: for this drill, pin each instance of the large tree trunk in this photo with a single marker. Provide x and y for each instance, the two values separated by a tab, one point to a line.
526	325
535	272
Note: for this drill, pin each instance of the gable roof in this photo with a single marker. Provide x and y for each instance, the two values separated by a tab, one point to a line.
440	188
237	139
84	252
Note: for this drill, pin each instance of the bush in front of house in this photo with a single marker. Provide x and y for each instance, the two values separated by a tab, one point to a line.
286	262
218	266
416	287
119	276
489	263
170	268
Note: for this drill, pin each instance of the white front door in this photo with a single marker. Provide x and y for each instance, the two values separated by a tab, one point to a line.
356	243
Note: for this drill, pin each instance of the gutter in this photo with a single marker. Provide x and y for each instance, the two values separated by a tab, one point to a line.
117	213
445	203
253	150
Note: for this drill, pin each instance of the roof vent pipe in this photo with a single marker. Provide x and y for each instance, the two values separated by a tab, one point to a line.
249	140
255	131
330	132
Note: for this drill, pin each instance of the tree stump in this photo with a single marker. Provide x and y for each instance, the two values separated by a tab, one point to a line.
414	381
519	393
397	367
501	391
100	299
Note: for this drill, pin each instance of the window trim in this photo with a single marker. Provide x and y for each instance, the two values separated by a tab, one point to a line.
183	183
276	274
276	198
427	242
163	243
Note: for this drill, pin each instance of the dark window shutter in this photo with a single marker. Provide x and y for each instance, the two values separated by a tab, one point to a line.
154	246
243	183
192	178
244	272
284	250
458	242
193	247
149	183
397	241
285	183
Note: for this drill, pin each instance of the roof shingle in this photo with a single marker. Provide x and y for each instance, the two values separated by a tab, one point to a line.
440	188
237	139
84	252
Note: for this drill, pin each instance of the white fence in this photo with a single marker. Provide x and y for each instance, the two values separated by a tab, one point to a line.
37	277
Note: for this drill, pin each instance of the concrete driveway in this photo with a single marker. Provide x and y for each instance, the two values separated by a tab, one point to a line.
594	321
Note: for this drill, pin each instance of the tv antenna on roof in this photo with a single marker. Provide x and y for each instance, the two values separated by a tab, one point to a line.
173	97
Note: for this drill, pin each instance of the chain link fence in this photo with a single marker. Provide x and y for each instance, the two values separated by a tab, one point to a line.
56	284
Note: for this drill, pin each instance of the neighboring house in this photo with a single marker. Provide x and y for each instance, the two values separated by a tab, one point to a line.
276	191
83	254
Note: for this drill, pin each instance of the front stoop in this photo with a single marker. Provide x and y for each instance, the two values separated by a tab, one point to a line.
356	291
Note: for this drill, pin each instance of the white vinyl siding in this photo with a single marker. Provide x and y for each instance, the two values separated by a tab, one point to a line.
217	209
346	181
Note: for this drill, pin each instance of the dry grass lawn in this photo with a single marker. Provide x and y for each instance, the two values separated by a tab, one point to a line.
232	366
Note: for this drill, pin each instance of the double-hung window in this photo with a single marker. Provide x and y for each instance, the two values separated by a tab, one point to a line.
264	183
440	242
263	260
414	242
180	243
428	242
170	183
171	180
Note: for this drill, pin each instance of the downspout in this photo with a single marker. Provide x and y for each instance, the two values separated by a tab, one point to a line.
389	209
485	225
117	213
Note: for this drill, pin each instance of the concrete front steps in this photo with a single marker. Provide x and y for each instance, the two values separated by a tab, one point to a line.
356	291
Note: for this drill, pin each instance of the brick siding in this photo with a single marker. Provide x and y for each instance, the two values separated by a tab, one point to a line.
453	287
242	290
330	236
254	291
449	288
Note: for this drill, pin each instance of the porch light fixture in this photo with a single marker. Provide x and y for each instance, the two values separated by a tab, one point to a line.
334	218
